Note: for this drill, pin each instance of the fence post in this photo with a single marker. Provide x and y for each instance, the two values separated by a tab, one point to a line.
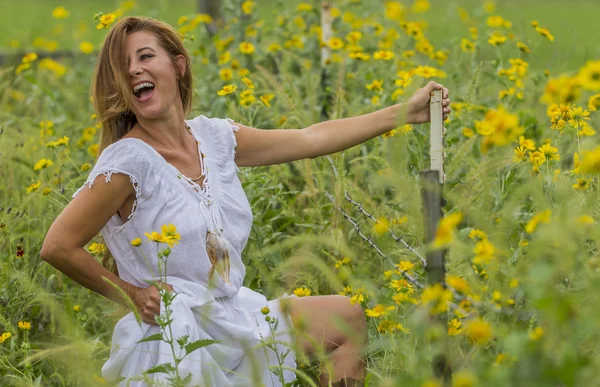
432	197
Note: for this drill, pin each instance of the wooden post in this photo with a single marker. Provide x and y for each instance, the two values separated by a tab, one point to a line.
212	8
432	197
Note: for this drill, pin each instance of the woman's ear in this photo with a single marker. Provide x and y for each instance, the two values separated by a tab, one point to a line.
181	64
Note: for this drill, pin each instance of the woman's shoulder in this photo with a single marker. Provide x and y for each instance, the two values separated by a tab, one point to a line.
219	131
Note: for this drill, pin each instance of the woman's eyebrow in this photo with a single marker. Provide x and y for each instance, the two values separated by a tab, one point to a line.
143	48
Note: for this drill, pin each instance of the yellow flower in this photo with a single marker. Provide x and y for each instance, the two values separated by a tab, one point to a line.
86	47
454	327
458	284
445	230
376	85
41	164
155	237
335	43
585	219
170	234
496	40
357	299
383	55
541	217
302	292
85	167
22	67
97	248
5	336
266	99
226	74
549	151
342	262
76	308
536	334
30	57
274	47
137	242
106	20
246	48
265	310
464	379
582	184
381	226
477	234
389	326
405	266
436	298
468	132
49	64
466	45
594	103
93	150
523	47
479	330
545	32
248	83
34	187
46	191
484	252
247	7
60	13
379	310
304	7
226	90
24	325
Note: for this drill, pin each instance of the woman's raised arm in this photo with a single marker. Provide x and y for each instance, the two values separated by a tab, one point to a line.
267	147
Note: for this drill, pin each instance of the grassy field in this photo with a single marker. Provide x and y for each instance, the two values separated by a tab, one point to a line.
518	306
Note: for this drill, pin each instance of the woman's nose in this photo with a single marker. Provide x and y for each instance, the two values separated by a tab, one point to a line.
134	70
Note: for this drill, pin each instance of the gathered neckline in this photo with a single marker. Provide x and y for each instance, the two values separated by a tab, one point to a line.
203	189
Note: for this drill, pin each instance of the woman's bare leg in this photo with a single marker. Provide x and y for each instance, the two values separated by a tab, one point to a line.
337	327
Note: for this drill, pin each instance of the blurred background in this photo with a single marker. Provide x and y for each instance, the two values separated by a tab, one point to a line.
30	25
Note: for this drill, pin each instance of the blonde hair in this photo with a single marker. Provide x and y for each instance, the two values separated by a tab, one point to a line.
111	87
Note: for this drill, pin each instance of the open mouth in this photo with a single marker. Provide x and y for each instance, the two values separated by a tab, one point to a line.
143	91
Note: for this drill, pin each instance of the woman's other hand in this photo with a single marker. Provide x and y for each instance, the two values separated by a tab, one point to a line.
418	105
147	301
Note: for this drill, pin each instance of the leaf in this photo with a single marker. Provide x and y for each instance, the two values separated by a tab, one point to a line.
164	368
191	347
154	337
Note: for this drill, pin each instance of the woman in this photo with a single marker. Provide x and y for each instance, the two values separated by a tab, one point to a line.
156	168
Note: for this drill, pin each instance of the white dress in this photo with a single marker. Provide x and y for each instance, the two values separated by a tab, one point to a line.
218	310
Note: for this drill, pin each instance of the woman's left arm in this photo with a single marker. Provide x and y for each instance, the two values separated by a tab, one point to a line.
267	147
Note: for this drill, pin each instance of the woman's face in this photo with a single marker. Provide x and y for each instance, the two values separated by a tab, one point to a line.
153	78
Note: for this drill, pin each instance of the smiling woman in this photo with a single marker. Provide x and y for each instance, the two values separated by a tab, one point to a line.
143	180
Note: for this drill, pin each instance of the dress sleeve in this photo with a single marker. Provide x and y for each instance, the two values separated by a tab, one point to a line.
125	159
221	135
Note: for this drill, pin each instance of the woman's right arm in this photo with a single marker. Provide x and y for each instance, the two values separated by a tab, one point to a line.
80	221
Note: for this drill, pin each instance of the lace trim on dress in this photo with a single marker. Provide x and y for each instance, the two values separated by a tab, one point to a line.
108	174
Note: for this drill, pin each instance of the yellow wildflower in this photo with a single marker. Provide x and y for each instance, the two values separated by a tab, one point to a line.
479	330
226	90
246	48
248	83
137	242
106	20
60	13
34	187
24	325
302	292
76	308
86	47
446	227
379	310
170	234
536	333
381	226
436	298
41	164
266	99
